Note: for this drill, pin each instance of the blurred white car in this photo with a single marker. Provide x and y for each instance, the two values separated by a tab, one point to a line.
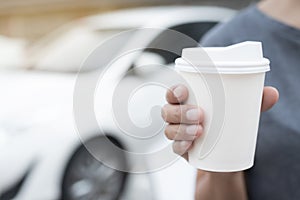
12	52
49	145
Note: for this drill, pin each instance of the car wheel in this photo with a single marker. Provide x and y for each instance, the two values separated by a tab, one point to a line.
86	178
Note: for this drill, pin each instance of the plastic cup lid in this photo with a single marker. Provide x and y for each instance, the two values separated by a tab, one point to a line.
245	57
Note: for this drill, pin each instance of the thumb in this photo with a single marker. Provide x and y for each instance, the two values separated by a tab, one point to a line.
270	97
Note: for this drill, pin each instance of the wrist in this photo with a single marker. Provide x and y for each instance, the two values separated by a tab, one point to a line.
221	178
225	176
220	185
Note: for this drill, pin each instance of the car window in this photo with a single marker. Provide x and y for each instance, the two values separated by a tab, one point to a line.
194	30
64	50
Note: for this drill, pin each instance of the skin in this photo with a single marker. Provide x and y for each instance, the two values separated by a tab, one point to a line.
212	185
287	11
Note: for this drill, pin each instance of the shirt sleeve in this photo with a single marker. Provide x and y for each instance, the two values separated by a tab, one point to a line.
218	36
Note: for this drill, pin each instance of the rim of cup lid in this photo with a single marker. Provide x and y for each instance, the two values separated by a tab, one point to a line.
223	67
245	57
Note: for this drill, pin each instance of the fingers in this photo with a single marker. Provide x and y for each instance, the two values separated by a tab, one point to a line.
186	114
183	136
183	132
177	94
270	97
181	147
184	120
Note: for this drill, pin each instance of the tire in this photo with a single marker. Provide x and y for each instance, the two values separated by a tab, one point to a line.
87	178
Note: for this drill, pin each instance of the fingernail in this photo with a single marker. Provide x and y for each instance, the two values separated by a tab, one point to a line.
178	91
185	145
193	114
191	130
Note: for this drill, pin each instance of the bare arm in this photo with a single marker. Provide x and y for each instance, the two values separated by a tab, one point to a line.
220	186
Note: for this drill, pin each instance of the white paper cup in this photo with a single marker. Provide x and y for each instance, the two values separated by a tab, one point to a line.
227	83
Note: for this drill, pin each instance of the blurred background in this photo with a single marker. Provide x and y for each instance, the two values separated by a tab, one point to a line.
31	19
50	146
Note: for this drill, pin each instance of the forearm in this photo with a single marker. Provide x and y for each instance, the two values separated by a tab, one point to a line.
220	186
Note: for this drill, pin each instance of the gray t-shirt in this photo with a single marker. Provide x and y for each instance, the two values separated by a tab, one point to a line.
276	172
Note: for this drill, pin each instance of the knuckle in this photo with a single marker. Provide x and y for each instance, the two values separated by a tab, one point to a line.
164	112
168	96
177	113
176	133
